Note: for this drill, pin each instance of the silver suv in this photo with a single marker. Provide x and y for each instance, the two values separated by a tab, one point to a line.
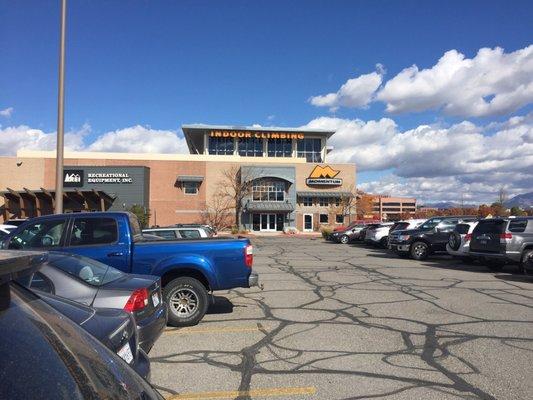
497	241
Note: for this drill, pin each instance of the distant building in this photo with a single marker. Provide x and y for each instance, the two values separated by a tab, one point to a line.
391	208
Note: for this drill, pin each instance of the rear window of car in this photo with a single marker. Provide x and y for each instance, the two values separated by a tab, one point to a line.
495	226
462	229
518	225
167	234
189	233
90	271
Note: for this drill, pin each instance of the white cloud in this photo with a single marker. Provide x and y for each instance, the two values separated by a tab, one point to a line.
139	139
435	160
135	139
20	137
491	83
356	92
7	112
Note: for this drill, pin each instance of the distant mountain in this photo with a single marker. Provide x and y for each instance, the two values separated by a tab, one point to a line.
524	200
444	205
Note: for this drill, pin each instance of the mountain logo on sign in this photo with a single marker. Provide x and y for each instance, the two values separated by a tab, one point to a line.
323	172
72	178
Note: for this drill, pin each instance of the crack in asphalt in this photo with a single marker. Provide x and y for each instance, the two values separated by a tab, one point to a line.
436	341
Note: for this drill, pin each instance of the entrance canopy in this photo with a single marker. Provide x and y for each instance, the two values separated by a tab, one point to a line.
29	203
275	206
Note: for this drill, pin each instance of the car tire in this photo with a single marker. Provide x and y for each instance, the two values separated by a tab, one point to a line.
344	239
384	241
419	251
454	241
526	266
187	301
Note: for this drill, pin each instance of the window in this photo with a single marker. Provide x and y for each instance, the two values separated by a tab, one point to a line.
42	283
268	190
518	225
42	234
167	234
190	187
339	219
90	231
279	147
337	201
323	218
323	201
251	147
190	233
307	201
88	270
221	145
311	149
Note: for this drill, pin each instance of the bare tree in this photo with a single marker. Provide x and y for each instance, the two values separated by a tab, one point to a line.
218	212
235	187
502	195
346	204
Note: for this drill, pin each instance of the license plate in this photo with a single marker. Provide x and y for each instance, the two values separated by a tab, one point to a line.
155	299
483	242
125	353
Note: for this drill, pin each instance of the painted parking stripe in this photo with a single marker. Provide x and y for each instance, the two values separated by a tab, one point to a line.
272	392
191	331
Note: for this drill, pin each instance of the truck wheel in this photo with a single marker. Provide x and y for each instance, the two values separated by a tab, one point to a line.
526	266
419	251
345	239
384	242
186	300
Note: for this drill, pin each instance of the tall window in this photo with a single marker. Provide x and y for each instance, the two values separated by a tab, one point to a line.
190	187
268	190
310	149
221	145
280	147
251	147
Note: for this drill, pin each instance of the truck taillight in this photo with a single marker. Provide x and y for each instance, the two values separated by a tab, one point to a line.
249	256
504	237
468	237
137	301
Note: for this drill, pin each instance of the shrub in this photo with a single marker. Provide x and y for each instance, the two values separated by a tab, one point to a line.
234	230
326	232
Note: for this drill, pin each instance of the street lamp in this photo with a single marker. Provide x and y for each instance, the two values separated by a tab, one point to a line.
60	113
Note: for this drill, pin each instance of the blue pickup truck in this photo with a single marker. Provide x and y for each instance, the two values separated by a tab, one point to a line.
189	269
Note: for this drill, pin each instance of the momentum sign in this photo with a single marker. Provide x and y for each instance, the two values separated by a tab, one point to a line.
324	176
257	135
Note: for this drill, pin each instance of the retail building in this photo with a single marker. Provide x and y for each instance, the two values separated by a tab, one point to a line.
291	183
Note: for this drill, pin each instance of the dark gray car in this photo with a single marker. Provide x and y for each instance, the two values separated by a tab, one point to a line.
90	282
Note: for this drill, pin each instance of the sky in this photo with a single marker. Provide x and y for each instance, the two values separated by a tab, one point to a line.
429	99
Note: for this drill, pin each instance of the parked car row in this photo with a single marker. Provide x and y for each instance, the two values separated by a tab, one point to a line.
117	283
493	242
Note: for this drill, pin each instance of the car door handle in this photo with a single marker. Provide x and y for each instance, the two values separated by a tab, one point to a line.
116	254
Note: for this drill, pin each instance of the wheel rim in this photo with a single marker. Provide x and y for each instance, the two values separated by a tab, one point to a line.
344	239
184	302
420	250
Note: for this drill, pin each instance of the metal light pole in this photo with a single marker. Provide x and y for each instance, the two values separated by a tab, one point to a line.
60	114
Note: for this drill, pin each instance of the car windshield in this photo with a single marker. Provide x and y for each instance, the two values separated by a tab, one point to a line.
90	271
400	226
430	223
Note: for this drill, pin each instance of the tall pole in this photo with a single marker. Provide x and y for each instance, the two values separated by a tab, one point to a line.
60	114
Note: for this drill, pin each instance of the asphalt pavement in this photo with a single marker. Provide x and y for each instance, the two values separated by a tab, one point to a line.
353	322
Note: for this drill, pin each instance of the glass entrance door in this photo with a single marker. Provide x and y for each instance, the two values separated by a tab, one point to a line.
268	222
308	222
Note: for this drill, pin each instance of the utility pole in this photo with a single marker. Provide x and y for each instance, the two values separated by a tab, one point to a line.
60	113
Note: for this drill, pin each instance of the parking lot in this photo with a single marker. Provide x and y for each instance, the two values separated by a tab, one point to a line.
349	321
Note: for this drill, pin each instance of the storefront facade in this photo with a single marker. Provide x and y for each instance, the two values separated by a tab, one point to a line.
284	173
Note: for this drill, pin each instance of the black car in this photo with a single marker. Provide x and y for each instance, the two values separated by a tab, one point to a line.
426	239
46	355
112	327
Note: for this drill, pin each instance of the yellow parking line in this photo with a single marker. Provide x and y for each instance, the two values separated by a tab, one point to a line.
190	331
272	392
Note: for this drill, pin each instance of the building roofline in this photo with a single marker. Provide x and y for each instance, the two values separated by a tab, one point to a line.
256	128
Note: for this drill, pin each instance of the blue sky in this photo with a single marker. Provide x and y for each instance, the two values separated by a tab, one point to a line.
164	63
